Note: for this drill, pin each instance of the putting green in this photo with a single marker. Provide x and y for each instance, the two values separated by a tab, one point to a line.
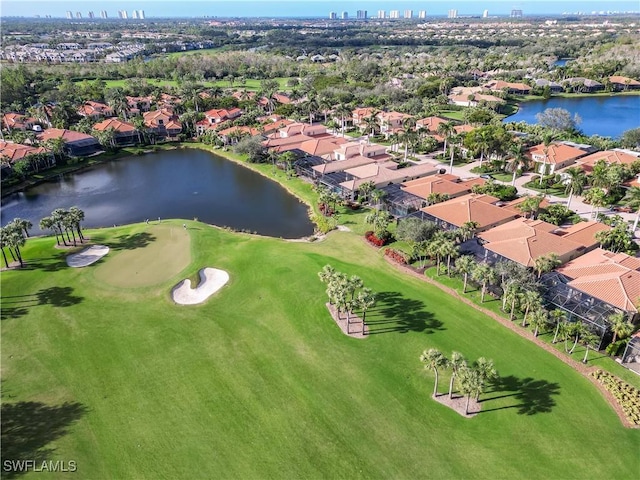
147	257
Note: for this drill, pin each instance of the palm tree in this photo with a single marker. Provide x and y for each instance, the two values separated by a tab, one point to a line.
449	249
465	265
366	299
4	243
434	359
559	317
596	196
77	216
588	339
371	125
23	225
445	129
571	329
57	217
576	181
14	239
117	100
344	111
434	249
486	373
632	199
539	319
519	160
327	274
620	326
546	263
547	140
376	196
483	274
530	299
456	363
47	223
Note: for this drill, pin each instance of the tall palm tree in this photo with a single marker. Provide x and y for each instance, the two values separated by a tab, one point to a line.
23	225
57	217
344	112
588	339
445	129
632	199
539	319
559	317
486	372
576	181
519	159
530	299
465	265
483	274
117	100
14	239
77	217
434	359
546	263
457	363
327	273
47	223
4	243
365	300
620	326
547	140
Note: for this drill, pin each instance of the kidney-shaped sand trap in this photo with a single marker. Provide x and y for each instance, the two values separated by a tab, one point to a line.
211	280
87	256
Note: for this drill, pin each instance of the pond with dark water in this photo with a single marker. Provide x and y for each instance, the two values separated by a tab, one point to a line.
185	183
607	116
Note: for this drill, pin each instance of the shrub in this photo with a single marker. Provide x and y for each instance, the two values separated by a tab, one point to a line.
627	396
372	239
396	255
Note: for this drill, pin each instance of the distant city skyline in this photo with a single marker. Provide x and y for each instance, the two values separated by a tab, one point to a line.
316	9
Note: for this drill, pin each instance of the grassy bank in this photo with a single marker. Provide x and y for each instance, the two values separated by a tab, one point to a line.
259	382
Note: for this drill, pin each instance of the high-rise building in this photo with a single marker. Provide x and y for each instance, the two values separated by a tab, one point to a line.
91	15
141	14
78	15
408	14
485	14
345	16
123	14
333	15
516	13
361	14
452	13
69	15
134	14
422	14
103	14
382	14
394	14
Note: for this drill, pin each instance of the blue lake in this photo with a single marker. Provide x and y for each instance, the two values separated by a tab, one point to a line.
607	116
185	184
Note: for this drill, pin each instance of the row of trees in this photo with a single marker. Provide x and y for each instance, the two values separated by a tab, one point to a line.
63	222
347	294
13	236
471	379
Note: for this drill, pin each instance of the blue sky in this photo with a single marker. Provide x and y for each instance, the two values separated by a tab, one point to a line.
299	8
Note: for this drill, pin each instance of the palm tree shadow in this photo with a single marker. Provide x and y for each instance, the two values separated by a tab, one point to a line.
131	242
28	427
19	305
395	313
531	396
51	264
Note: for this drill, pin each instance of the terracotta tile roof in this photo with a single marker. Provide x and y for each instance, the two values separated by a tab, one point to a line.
431	123
624	80
241	129
16	151
463	128
512	206
222	114
281	98
609	156
342	165
320	146
67	135
350	149
116	124
90	109
152	119
443	184
584	233
556	153
470	182
611	277
523	241
386	176
298	128
470	208
17	121
276	125
500	85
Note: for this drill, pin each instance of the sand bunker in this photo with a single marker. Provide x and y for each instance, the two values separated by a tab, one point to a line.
211	280
87	256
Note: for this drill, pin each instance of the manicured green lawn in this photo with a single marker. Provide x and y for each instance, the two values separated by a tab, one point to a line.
259	382
249	84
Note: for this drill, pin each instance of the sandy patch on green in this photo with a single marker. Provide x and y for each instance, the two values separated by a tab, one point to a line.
164	253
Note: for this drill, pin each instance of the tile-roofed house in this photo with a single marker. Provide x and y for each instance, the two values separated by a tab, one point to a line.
359	114
611	277
554	87
524	240
75	143
282	98
214	117
342	165
283	144
581	84
139	104
436	184
477	208
17	121
510	87
430	124
619	82
233	134
299	128
125	132
95	110
322	147
554	157
609	156
12	152
584	233
380	176
512	205
392	121
163	122
369	150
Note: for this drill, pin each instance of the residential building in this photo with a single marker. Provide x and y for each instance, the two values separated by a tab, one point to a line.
381	14
163	123
391	122
75	143
473	207
141	14
103	14
583	85
90	15
216	116
509	87
516	13
344	16
95	110
440	184
11	152
361	14
124	132
134	14
78	15
609	156
549	159
69	15
422	14
333	15
360	114
17	121
408	14
452	13
430	124
394	14
485	14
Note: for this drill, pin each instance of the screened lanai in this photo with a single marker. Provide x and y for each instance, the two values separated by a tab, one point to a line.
400	203
592	311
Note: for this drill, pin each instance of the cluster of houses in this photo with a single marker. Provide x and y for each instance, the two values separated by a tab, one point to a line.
72	52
